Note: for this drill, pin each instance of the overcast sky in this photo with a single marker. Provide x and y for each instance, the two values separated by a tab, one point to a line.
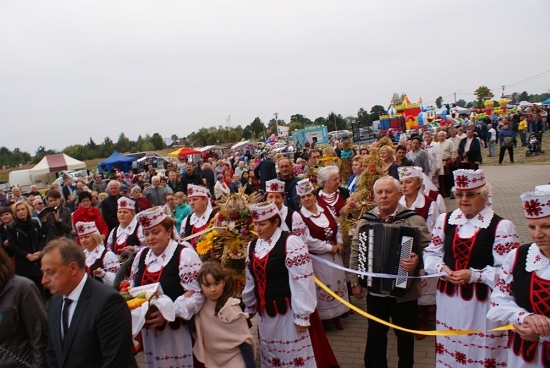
71	70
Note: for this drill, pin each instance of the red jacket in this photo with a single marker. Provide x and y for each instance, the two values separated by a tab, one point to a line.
90	214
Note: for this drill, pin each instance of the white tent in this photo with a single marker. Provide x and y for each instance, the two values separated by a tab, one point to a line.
525	104
240	144
460	110
55	163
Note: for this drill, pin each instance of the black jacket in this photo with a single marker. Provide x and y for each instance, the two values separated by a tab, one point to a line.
265	171
190	179
100	332
474	153
25	237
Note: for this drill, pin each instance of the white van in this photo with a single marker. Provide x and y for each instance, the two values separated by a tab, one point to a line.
24	180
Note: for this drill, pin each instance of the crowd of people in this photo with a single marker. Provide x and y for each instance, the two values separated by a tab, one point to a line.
61	249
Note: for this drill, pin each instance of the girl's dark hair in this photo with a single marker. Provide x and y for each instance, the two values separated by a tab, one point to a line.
218	273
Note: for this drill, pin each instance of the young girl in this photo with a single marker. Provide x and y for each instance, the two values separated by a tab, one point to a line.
182	209
223	336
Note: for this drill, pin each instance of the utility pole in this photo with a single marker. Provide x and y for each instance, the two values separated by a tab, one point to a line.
276	125
334	117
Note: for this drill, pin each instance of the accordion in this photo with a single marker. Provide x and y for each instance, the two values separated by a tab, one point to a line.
381	248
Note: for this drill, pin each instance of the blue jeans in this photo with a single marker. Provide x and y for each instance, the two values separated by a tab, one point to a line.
492	148
523	138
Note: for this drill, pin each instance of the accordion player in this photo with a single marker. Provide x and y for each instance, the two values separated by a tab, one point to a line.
382	246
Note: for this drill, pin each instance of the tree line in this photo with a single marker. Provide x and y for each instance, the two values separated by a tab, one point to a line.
88	151
259	130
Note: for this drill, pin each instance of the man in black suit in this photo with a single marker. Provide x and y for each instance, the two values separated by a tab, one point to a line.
266	171
469	150
89	322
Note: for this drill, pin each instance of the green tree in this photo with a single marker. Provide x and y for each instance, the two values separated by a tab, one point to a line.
40	153
296	125
174	137
376	111
75	151
336	122
256	126
439	102
298	118
158	142
482	93
247	134
123	144
461	103
320	121
107	147
363	118
524	96
397	98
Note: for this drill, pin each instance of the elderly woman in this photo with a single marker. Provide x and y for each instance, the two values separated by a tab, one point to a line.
324	240
127	236
87	213
289	328
521	293
469	245
101	263
137	195
175	266
25	242
23	326
220	188
389	166
411	179
331	194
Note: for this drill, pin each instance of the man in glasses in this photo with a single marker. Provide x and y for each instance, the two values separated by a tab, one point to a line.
37	205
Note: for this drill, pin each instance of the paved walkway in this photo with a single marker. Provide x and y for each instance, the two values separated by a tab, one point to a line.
508	182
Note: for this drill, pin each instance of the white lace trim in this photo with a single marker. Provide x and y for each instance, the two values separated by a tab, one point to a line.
264	246
481	220
535	259
151	259
196	221
94	255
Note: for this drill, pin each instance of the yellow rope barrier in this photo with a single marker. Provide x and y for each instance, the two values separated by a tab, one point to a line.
376	319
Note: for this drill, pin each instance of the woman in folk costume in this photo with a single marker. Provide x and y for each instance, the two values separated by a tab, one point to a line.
281	290
521	295
291	221
101	263
331	195
128	235
175	266
325	240
469	245
199	201
411	178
